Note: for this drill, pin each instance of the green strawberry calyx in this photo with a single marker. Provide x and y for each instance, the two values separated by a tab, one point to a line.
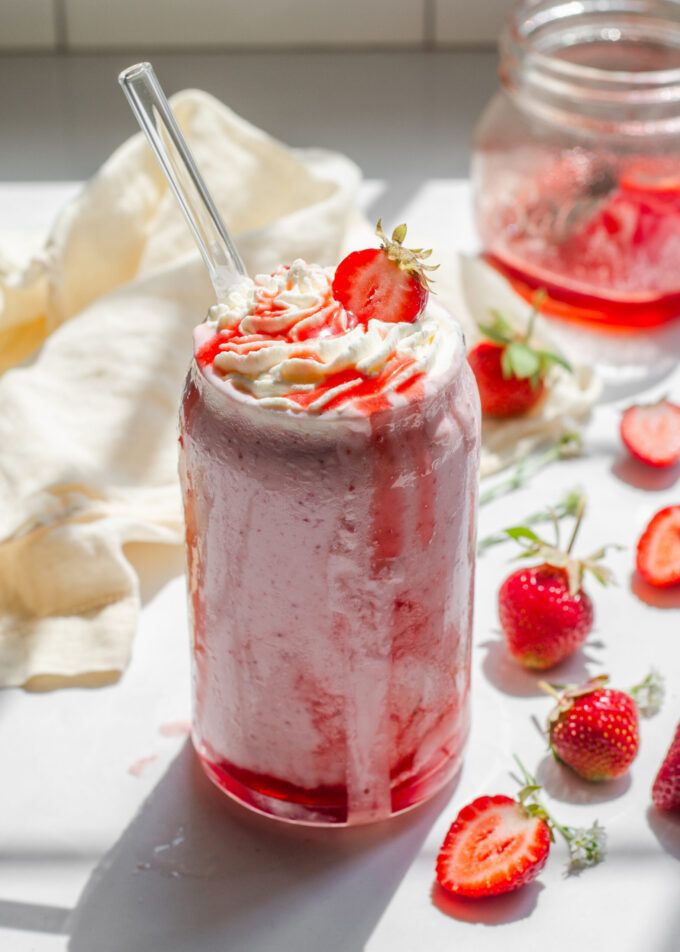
534	547
410	260
566	694
519	358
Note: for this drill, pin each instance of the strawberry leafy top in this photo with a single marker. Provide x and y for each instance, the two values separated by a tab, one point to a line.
648	694
410	260
520	359
533	546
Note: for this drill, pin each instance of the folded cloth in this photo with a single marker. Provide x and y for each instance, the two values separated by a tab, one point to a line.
88	430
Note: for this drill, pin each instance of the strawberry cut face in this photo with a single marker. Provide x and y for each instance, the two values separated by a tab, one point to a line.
658	551
652	433
372	286
666	788
492	847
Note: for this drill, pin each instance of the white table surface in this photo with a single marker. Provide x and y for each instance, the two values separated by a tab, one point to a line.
96	858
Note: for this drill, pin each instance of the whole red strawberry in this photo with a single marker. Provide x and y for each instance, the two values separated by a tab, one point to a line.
666	789
510	373
544	611
594	729
387	283
542	619
651	433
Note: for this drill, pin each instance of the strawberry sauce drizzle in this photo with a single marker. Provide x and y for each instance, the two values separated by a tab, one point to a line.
330	319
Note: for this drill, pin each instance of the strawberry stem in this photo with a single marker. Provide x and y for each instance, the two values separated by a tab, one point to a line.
536	302
550	689
586	846
580	512
568	446
565	507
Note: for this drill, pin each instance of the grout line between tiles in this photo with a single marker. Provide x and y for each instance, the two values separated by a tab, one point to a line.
60	26
429	24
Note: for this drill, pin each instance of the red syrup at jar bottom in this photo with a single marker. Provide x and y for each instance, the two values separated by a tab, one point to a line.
618	264
562	301
274	797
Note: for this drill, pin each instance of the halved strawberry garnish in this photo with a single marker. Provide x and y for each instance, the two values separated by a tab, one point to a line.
658	551
651	433
387	283
493	846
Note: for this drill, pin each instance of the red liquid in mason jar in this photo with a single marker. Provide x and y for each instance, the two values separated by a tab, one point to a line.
601	236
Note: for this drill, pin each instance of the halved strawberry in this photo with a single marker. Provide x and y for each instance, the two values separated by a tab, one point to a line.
658	550
493	846
666	788
651	433
387	283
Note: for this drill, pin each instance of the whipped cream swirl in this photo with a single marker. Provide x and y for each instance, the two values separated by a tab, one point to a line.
285	341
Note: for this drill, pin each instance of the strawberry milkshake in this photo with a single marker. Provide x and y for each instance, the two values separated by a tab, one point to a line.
329	454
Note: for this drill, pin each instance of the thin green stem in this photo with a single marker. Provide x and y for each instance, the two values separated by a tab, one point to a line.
565	507
568	445
580	512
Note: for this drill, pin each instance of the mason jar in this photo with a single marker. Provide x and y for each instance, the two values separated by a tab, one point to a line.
576	164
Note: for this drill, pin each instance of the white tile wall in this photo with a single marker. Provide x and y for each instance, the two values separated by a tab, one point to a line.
469	21
92	24
27	24
98	23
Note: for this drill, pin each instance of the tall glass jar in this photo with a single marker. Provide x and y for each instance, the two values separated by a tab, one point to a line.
576	163
331	566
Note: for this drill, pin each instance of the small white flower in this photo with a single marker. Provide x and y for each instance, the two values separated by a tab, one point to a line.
649	694
587	846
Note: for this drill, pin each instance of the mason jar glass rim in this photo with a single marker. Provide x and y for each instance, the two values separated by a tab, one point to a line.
540	30
547	67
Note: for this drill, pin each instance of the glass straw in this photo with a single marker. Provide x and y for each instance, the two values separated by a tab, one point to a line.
152	110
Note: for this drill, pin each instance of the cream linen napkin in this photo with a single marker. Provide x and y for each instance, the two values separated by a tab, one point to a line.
88	432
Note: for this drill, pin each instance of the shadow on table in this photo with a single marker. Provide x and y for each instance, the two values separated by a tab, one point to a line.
666	828
195	871
564	785
511	678
495	911
656	597
630	471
